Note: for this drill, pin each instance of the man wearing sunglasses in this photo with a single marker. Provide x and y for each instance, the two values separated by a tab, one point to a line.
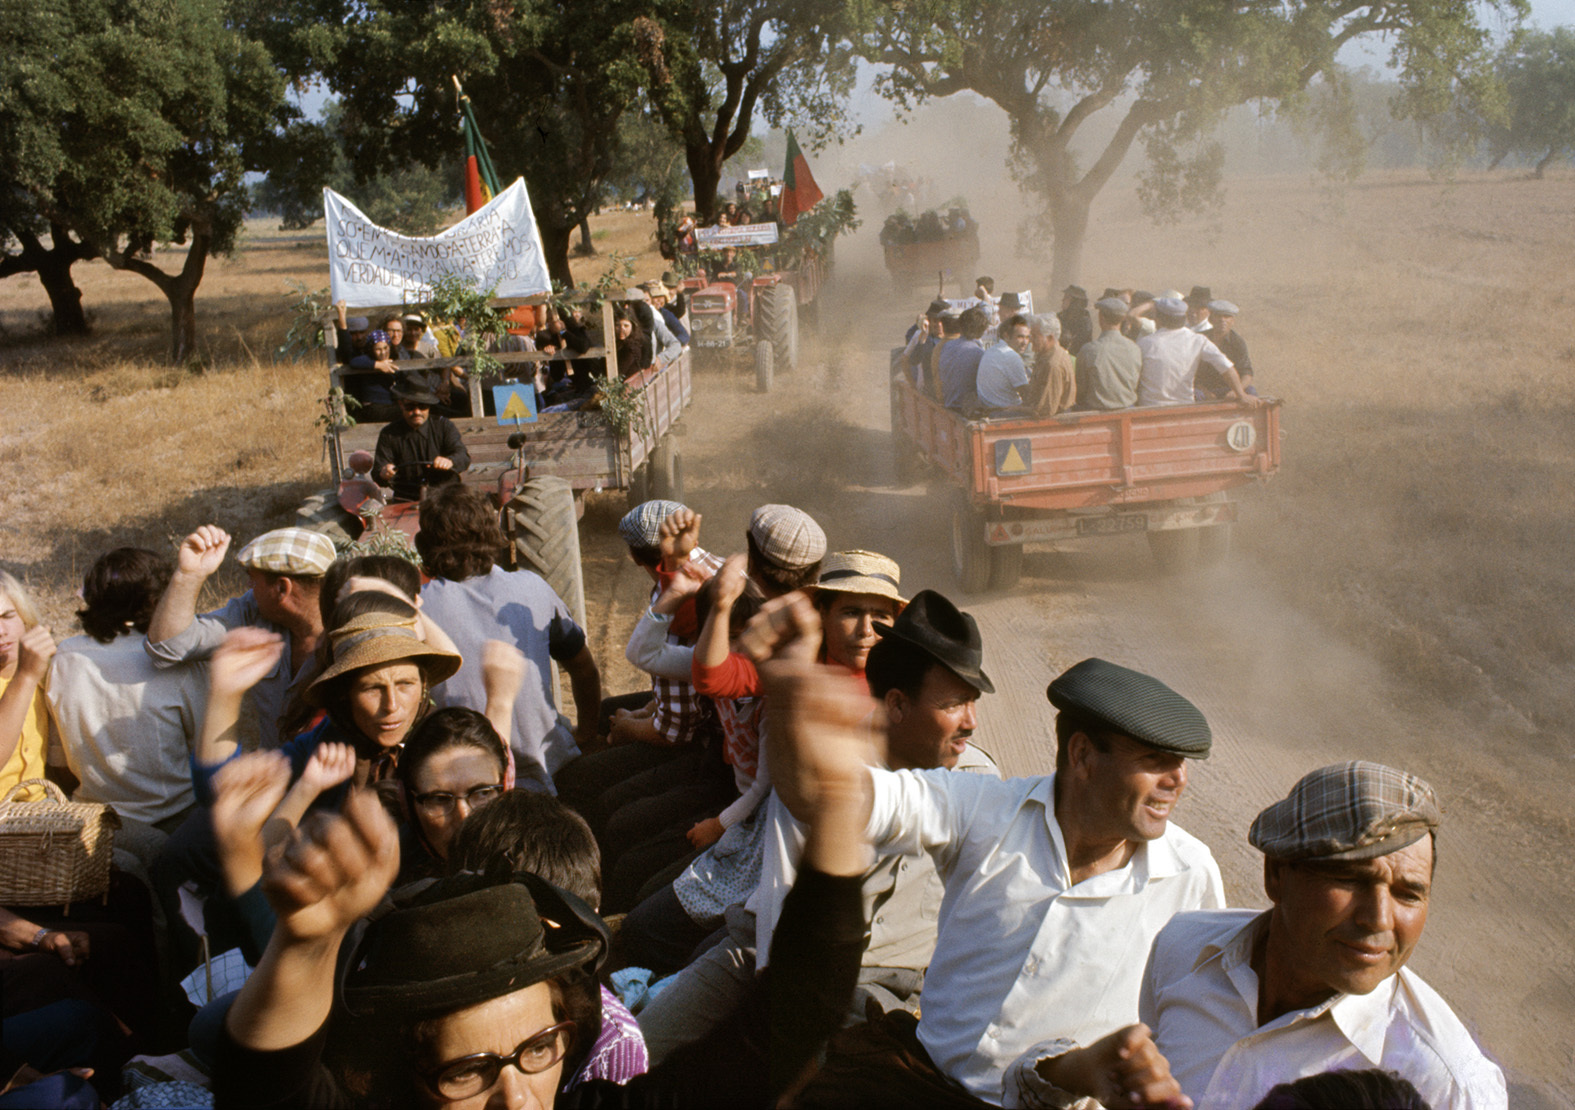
421	448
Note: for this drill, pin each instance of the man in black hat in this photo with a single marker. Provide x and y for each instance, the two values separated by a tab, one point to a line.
926	674
1076	326
1055	885
421	448
1198	309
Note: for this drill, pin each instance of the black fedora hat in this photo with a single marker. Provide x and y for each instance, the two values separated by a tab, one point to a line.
1200	296
411	386
441	945
934	625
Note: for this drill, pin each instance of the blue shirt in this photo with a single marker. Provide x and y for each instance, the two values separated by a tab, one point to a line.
1001	375
959	370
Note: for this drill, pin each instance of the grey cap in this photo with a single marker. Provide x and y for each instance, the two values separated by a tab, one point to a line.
358	323
1355	810
1170	306
1134	704
788	537
1113	306
635	293
1222	308
640	525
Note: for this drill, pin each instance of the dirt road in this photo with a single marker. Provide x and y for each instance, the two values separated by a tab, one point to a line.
1283	693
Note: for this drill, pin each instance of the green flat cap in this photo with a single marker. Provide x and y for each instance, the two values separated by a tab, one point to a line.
1133	704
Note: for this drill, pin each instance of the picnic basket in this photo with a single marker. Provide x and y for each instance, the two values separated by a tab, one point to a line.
54	851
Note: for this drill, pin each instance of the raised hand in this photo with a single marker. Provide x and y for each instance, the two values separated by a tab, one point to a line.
330	765
333	871
246	791
678	536
1123	1069
202	552
731	580
245	658
34	651
683	585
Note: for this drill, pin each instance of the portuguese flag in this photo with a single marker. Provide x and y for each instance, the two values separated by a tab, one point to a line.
799	191
481	180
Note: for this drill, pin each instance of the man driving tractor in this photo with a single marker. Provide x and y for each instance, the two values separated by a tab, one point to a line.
421	448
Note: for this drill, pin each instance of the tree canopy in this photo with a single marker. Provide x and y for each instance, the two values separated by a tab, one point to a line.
131	123
1157	71
1537	69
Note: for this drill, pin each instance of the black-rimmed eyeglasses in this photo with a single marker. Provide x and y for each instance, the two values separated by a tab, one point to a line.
470	1075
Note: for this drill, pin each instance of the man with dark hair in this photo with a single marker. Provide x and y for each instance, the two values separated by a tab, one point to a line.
958	365
1003	375
125	726
921	339
1108	368
1197	303
785	549
1076	328
1055	885
473	601
421	448
1236	1002
286	568
926	673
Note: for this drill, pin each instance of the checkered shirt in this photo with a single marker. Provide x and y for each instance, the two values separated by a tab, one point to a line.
679	710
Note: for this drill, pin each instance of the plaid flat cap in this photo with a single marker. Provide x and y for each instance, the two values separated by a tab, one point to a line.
1134	704
1355	810
640	525
294	551
789	537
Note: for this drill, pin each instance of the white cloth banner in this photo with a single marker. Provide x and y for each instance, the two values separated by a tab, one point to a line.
497	245
744	235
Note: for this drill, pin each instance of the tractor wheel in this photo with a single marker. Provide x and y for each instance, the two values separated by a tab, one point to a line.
970	554
1175	550
763	367
1006	566
776	321
544	535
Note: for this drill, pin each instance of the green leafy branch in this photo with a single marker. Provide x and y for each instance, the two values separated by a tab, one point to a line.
458	298
306	323
622	407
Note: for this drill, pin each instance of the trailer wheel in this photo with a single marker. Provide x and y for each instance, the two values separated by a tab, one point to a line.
666	470
1175	550
639	485
776	320
1006	566
544	535
1214	544
904	460
970	554
763	367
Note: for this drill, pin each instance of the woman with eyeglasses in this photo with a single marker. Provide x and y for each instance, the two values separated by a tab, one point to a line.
453	764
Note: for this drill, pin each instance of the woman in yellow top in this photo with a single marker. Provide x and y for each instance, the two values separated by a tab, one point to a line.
25	650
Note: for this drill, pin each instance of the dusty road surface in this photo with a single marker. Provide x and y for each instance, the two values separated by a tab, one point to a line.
1285	682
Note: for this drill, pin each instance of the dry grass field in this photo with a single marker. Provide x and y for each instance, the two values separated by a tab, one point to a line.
1418	332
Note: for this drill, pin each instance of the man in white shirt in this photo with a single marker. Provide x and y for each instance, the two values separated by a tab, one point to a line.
1003	375
1171	357
1240	1002
1055	885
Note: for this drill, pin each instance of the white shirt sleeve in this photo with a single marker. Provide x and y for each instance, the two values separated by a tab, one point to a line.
649	650
914	811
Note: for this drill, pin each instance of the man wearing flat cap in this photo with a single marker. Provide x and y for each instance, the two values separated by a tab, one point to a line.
286	568
1172	356
421	448
1108	367
1238	1001
1055	885
1231	344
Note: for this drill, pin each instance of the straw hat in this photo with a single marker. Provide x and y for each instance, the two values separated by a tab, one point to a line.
861	572
374	640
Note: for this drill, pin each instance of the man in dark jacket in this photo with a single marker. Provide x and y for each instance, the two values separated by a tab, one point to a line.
421	448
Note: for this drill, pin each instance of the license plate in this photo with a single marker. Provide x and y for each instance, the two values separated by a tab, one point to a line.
1110	525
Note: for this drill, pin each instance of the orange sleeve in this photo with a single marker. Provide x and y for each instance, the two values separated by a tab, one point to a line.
735	677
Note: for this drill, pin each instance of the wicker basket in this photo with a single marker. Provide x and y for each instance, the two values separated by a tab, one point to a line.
55	851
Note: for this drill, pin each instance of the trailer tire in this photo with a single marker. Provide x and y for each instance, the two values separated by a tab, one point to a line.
1175	550
776	318
763	367
544	535
904	460
1006	566
970	554
639	485
1214	544
666	470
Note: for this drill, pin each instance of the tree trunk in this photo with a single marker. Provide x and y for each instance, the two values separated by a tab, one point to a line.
1547	160
555	245
1069	219
53	267
586	246
179	289
705	170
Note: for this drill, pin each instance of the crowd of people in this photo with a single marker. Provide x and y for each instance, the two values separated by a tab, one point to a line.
988	357
782	872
